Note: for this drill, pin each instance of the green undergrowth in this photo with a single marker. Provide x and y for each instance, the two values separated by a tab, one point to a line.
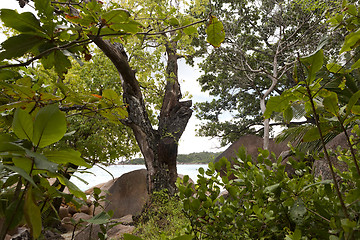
163	218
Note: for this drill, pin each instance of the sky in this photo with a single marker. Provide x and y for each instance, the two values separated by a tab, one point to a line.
189	142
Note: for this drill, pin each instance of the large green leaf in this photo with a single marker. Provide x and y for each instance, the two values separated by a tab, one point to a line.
24	22
100	218
331	104
215	32
313	64
32	214
42	162
66	156
18	45
116	16
44	7
72	187
23	124
49	126
353	100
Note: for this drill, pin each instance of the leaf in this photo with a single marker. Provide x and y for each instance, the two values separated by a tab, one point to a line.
350	41
101	218
288	114
352	101
356	65
331	104
14	212
49	126
298	211
44	8
42	162
32	214
23	163
23	125
72	187
131	237
128	27
335	68
313	64
190	30
116	16
18	45
215	32
66	156
174	22
21	172
24	22
62	63
183	237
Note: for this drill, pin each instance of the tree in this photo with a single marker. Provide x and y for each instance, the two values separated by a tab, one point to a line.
262	42
65	29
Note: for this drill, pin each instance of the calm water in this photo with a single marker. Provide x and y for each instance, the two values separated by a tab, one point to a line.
97	175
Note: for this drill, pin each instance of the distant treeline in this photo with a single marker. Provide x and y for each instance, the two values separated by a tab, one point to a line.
192	158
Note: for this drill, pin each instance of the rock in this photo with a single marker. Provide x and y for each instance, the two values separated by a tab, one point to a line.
63	212
49	235
127	195
83	216
126	220
251	143
321	167
72	210
23	234
85	209
67	225
114	233
91	190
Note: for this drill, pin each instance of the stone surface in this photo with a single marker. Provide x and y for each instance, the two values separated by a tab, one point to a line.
63	212
321	167
85	209
127	195
126	220
83	216
114	233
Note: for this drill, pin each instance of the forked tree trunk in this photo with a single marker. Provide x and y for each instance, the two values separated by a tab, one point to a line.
159	147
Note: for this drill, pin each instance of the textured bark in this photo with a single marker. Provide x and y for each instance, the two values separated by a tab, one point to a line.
159	147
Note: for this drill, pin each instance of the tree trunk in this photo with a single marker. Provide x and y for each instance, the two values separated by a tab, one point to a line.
159	147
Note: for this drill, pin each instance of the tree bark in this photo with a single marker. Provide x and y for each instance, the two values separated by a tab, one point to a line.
159	147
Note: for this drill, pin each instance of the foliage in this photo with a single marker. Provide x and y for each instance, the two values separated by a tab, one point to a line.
262	41
29	165
191	158
162	219
264	203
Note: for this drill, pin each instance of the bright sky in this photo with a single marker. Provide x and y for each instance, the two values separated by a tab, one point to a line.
189	143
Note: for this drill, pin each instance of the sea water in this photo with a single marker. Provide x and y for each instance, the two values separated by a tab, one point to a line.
97	175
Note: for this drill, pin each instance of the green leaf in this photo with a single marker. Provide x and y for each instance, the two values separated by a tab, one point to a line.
21	172
49	126
311	135
350	41
331	104
44	8
190	30
116	16
15	212
18	45
352	101
101	218
66	156
42	162
131	237
335	68
215	32
351	9
288	114
32	214
356	65
128	27
72	187
24	22
23	163
298	211
174	22
23	124
313	64
183	237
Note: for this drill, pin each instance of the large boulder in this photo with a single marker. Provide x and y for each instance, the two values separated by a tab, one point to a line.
128	194
321	166
252	143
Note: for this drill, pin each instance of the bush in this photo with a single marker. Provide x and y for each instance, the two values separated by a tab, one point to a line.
264	203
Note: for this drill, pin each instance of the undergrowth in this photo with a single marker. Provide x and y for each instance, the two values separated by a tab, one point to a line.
162	218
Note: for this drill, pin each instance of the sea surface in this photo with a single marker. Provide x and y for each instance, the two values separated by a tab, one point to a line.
96	175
